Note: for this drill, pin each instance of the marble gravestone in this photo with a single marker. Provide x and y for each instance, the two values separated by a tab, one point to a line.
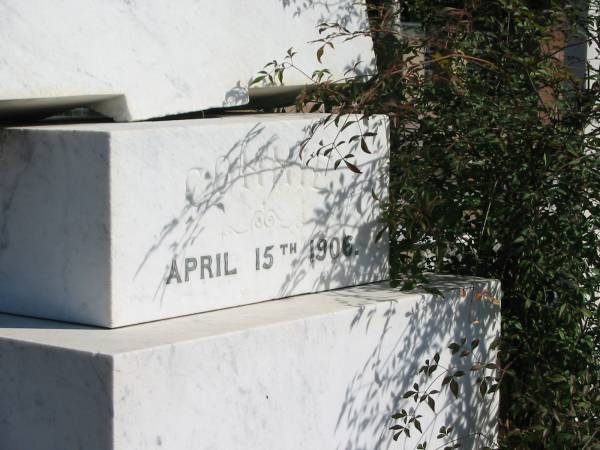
134	60
320	371
117	224
140	226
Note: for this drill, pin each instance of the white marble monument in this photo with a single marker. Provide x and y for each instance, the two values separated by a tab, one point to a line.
316	372
117	224
111	225
138	59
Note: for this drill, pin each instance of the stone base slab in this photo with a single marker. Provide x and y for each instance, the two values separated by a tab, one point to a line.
319	371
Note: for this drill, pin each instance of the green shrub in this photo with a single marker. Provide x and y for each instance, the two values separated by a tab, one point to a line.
495	173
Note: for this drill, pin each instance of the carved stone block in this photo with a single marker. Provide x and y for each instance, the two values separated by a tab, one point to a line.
116	224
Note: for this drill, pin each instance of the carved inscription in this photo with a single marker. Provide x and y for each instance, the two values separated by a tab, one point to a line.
334	248
206	267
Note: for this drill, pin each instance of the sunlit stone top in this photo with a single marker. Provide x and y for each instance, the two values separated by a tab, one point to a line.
134	60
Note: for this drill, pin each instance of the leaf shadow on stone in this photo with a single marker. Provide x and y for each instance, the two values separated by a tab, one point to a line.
400	338
335	217
258	163
344	12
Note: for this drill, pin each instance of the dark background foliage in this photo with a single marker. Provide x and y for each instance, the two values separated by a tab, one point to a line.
494	173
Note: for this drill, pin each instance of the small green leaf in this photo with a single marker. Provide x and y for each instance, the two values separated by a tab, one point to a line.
315	107
431	403
364	146
408	394
348	124
258	80
454	347
320	52
352	167
454	388
418	426
483	388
